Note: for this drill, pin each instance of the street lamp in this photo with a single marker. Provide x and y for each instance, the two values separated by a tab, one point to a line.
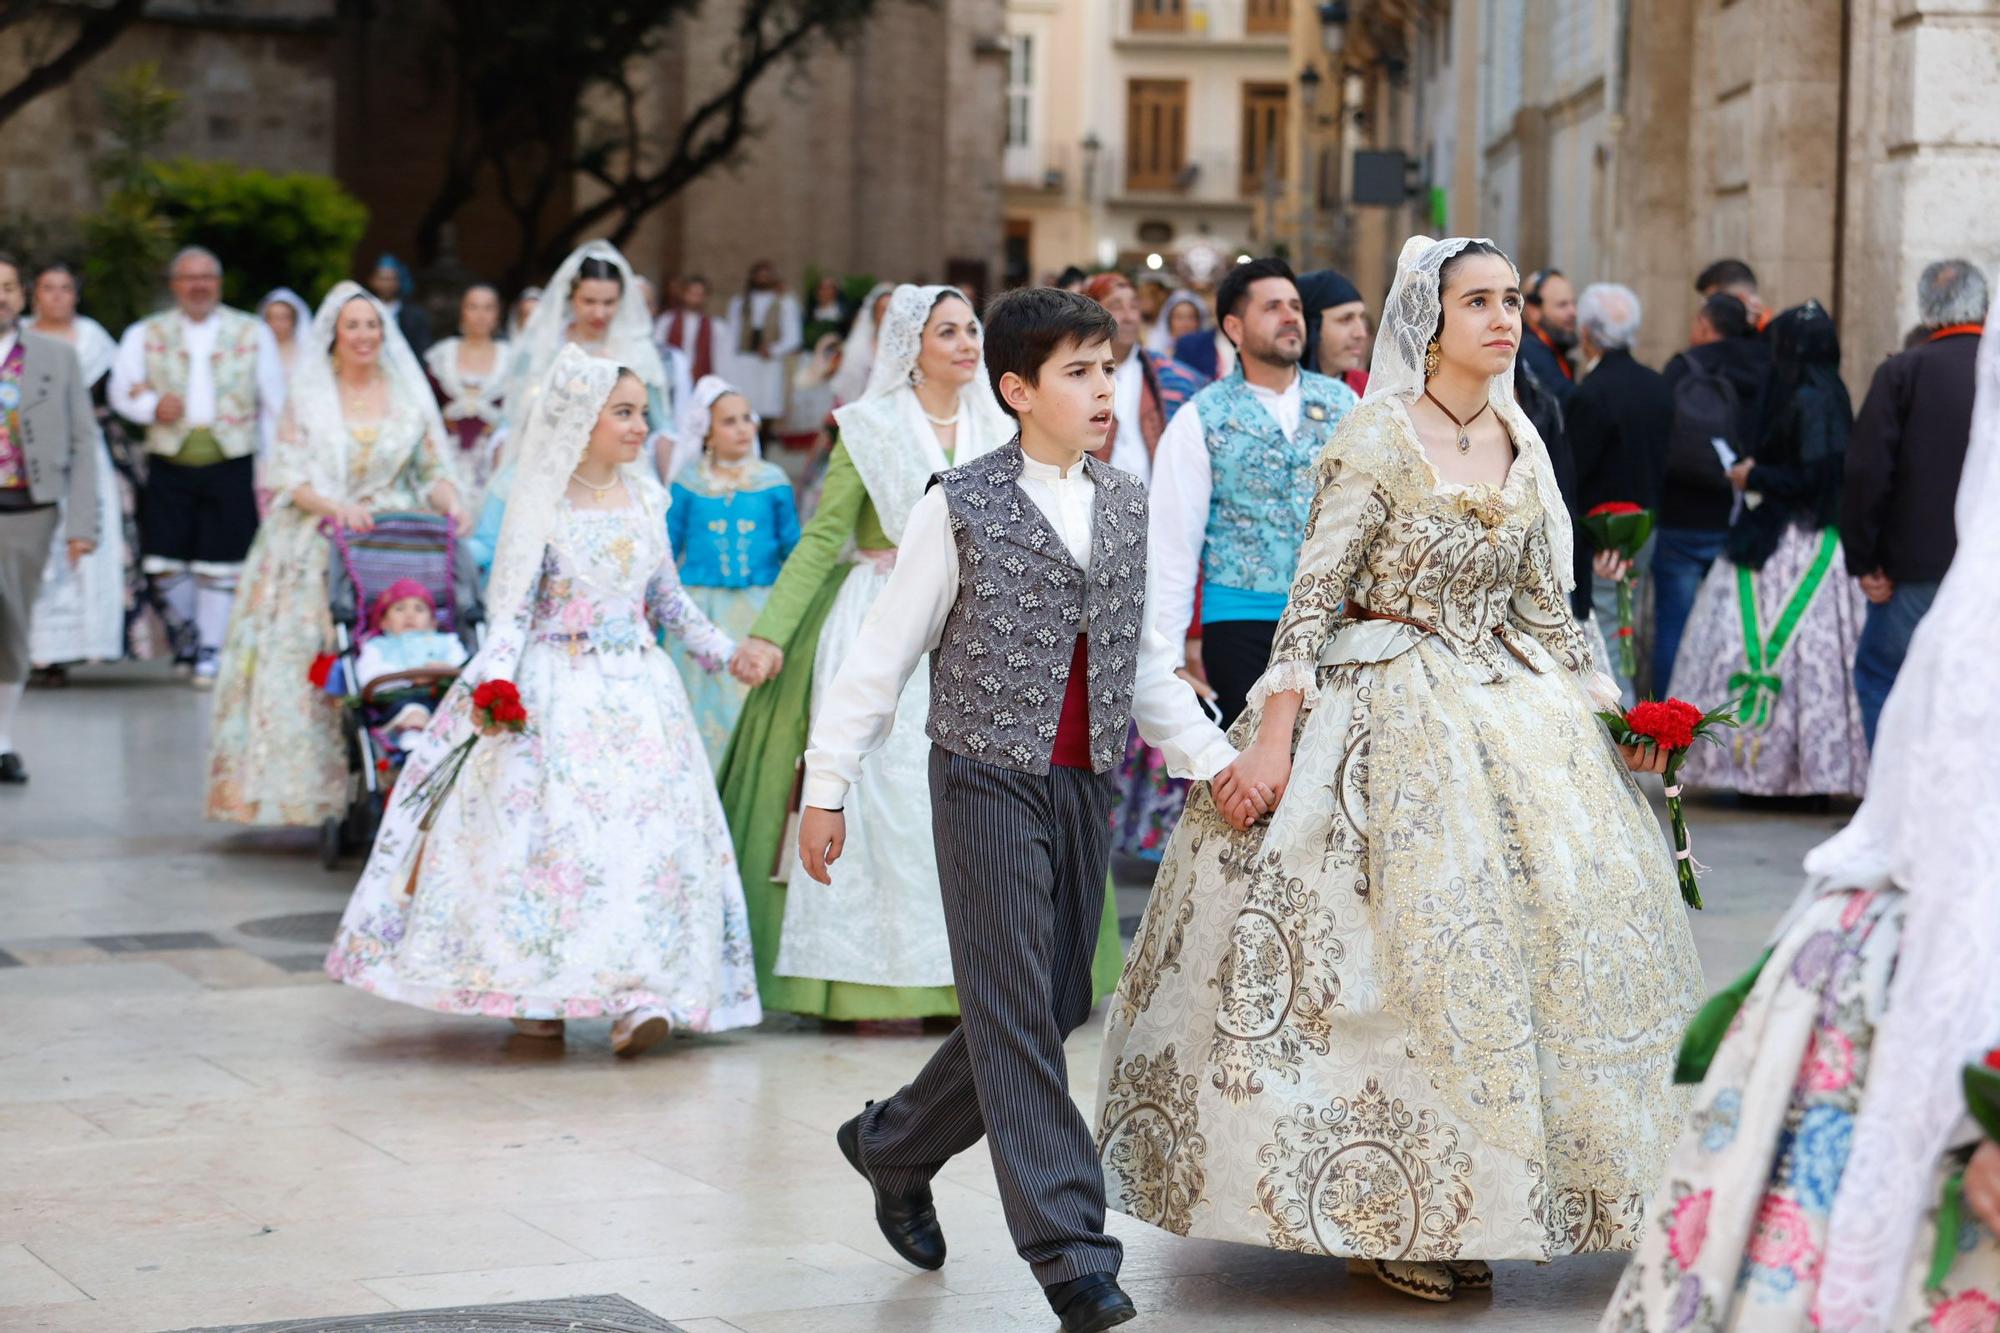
1309	81
1333	28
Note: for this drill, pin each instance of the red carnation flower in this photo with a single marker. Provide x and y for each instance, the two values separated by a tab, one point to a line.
1668	723
509	711
484	696
1993	1058
1615	507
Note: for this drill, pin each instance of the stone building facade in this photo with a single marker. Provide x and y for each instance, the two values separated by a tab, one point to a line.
257	85
1837	149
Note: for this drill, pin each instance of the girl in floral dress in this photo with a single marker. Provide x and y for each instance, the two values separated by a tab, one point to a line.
580	869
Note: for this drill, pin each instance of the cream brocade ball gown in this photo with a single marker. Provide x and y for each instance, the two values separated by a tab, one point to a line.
1429	1009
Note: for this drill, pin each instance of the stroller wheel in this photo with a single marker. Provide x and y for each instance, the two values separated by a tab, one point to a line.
329	842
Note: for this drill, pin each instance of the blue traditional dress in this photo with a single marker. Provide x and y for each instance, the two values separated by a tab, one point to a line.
731	529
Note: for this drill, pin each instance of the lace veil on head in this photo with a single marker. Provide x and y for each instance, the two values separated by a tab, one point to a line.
692	426
1410	319
857	353
901	343
1926	828
565	409
312	401
628	342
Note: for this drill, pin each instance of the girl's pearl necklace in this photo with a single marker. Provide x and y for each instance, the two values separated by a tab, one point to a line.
591	486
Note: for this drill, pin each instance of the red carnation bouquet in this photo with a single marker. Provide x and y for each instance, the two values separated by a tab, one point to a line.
1673	725
1982	1099
496	710
1622	528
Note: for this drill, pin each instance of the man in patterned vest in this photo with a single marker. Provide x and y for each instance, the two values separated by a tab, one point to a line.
205	381
1233	482
1024	576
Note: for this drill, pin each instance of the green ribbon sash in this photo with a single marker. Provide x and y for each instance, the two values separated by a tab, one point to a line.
1759	682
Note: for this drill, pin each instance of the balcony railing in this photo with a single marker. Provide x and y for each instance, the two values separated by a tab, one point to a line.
1260	21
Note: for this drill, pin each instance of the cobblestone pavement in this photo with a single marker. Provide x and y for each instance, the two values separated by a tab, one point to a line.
197	1129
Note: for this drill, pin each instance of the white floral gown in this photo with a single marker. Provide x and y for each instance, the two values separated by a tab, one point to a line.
1429	1010
581	868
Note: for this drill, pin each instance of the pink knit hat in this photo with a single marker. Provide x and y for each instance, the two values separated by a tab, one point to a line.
398	590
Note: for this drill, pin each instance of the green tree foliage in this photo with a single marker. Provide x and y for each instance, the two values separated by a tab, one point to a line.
296	230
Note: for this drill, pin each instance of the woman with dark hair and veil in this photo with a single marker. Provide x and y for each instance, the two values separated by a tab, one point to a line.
1777	620
1425	1015
1806	1193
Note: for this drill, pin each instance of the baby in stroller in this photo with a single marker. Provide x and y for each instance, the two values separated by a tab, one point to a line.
406	646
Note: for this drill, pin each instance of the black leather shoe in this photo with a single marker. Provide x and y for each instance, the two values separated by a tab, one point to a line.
908	1221
1089	1303
12	770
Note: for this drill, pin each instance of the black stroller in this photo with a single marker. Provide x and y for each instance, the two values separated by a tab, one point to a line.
423	547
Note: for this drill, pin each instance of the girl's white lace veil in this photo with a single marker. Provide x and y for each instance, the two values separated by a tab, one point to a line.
1410	319
900	344
565	408
1928	829
628	342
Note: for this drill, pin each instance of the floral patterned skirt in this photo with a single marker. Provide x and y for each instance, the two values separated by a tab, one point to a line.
1430	1009
577	870
1806	738
1740	1222
1151	802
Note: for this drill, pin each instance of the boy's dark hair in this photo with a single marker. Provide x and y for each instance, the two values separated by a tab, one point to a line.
1725	273
1027	326
1727	315
1234	288
8	261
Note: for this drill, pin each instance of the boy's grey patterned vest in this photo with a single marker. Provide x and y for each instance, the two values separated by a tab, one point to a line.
1002	664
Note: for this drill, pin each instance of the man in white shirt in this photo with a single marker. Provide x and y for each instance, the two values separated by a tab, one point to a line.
691	330
204	380
768	328
1233	482
1023	575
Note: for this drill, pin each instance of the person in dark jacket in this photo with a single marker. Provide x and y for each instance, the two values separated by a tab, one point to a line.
1718	387
1548	316
1778	618
391	282
1902	474
1618	420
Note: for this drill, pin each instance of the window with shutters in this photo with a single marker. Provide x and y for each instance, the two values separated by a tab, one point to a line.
1156	117
1263	134
1268	16
1159	15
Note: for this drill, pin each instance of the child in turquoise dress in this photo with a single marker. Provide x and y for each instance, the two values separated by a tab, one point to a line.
732	523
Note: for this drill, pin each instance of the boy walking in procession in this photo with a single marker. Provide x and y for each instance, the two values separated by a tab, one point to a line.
1023	575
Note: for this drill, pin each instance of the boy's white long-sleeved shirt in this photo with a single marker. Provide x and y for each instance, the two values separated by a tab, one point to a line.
908	620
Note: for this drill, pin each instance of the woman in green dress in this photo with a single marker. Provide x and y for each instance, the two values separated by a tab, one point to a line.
871	945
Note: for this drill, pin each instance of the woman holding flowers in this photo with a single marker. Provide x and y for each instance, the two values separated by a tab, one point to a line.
555	848
1425	1015
1853	1075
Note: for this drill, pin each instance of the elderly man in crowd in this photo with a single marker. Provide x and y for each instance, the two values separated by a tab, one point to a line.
48	439
205	382
1903	464
1618	422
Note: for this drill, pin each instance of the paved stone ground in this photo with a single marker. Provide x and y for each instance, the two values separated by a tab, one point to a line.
196	1129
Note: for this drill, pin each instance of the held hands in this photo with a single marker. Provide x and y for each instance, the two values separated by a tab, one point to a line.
822	836
1611	566
1251	787
756	661
1877	587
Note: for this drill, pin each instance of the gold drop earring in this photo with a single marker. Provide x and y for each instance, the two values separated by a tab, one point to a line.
1431	359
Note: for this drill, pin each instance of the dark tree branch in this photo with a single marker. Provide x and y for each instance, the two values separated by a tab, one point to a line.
97	29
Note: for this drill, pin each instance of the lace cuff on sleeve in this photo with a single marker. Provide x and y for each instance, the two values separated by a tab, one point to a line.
1283	678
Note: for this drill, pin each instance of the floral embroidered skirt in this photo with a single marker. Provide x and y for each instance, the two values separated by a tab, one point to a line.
1428	1010
1150	804
1740	1222
1804	737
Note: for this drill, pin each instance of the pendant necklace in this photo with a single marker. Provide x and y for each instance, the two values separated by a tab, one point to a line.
598	492
1464	440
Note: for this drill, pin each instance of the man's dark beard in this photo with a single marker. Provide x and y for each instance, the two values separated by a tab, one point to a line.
1564	339
1273	354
